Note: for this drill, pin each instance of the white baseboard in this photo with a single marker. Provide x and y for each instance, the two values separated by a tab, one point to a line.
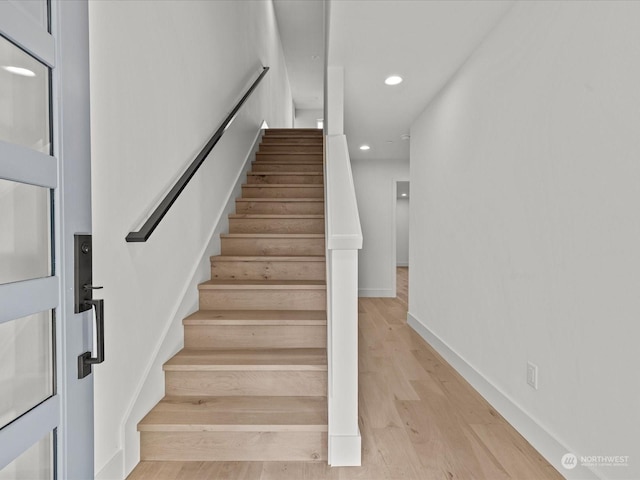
543	441
113	469
376	292
345	450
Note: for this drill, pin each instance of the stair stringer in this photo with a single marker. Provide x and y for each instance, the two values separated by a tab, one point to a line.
150	389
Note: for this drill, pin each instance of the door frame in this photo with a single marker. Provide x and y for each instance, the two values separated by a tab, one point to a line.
69	412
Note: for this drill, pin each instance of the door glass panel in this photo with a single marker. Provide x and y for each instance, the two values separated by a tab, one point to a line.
24	99
34	464
25	231
26	364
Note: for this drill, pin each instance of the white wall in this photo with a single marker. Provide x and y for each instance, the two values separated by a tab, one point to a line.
163	76
307	118
375	192
402	232
525	191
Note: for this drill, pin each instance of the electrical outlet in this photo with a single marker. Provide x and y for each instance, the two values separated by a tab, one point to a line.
532	375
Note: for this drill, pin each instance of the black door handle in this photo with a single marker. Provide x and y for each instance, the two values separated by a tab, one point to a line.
86	360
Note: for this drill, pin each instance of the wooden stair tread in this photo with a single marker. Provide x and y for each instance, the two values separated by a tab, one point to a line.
307	174
265	258
274	216
272	235
293	132
257	317
281	185
291	163
262	284
283	199
237	413
267	359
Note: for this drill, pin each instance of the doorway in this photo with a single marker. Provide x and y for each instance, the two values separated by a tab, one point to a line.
402	238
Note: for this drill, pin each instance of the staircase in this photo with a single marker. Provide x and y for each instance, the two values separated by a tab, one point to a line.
251	381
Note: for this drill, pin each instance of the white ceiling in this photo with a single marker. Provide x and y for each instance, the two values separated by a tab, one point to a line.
300	23
424	41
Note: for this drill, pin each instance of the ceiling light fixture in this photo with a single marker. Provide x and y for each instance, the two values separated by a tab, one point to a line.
393	80
364	147
24	72
403	194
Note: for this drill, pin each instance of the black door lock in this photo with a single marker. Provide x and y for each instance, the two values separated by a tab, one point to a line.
84	301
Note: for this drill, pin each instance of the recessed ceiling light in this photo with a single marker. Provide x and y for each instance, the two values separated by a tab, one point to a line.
393	80
364	147
403	194
19	71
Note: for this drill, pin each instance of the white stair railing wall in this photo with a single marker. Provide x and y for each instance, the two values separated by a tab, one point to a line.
343	240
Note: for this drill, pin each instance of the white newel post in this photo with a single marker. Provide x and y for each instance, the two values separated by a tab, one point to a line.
344	239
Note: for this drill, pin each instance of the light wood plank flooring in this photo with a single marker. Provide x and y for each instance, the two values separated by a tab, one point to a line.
418	418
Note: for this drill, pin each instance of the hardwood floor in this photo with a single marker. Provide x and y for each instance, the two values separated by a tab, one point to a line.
418	418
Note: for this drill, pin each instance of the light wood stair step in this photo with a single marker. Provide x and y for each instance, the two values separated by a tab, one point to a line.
313	167
302	161
268	267
263	294
257	317
253	372
237	413
272	244
281	147
260	428
284	359
281	206
282	191
285	177
206	329
287	156
287	140
293	132
268	223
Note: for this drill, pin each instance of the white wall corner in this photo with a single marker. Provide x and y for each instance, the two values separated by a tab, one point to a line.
151	386
113	469
334	119
345	450
377	292
543	441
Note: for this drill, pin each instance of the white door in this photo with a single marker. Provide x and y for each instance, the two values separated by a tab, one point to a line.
46	410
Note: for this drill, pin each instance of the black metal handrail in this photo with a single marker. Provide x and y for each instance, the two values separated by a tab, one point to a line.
161	210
